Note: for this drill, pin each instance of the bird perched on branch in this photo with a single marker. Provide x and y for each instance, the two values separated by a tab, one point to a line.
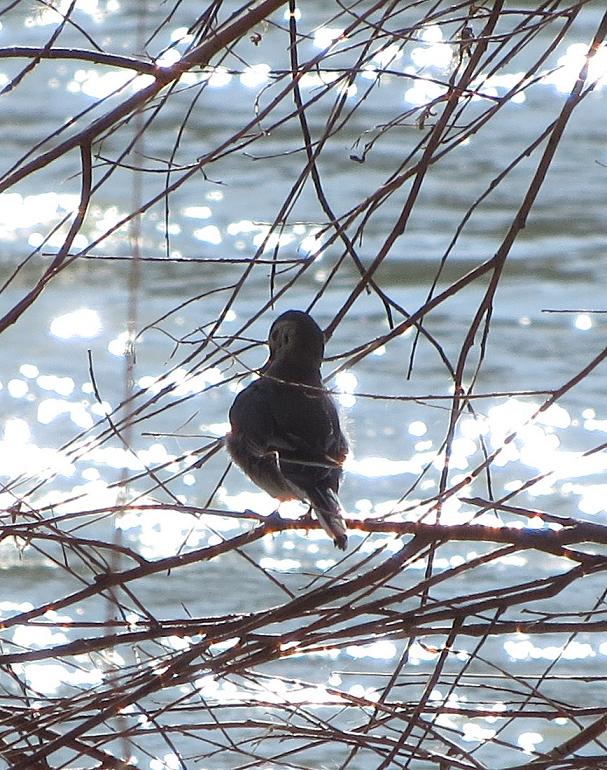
285	432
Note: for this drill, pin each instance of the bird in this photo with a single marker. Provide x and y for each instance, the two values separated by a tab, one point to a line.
285	432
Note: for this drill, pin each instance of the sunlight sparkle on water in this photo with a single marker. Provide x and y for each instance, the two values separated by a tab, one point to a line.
16	431
186	384
583	322
30	637
120	345
51	408
256	75
120	458
524	649
218	429
592	496
8	607
536	443
507	417
197	212
380	467
57	11
539	449
168	762
181	35
434	54
382	60
311	246
419	653
312	80
498	85
217	77
19	212
64	386
418	428
50	678
33	460
164	533
475	733
244	226
345	384
168	58
17	388
294	695
208	234
364	693
570	65
100	85
30	371
431	34
591	424
83	323
259	502
387	56
324	37
106	219
462	449
18	454
271	240
383	650
279	565
555	416
424	92
528	741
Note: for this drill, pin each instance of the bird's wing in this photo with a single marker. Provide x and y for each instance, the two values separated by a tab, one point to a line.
251	418
302	426
306	422
307	437
302	431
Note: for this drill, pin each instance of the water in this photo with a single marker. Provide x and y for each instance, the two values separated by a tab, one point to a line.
79	324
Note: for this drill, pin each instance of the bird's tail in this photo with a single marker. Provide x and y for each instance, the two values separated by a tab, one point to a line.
328	512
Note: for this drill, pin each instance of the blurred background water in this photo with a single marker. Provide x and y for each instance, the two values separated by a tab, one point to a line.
47	399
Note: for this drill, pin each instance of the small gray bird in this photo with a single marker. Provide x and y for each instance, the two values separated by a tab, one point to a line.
285	432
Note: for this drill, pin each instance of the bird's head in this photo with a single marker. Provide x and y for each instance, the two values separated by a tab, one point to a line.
296	337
